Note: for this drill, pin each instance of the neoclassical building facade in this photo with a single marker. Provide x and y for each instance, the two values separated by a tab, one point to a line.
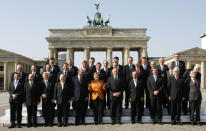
98	39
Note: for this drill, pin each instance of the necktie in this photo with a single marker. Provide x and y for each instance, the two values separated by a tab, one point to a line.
131	67
46	82
138	72
176	77
177	64
65	73
195	82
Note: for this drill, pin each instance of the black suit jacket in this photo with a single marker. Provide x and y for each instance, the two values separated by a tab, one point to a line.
127	72
155	86
32	94
74	71
194	92
55	71
22	79
49	91
68	76
181	67
106	74
91	72
176	88
102	75
135	93
115	86
145	74
19	91
63	96
83	87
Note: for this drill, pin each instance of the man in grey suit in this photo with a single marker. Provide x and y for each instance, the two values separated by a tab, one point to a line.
63	93
80	97
195	98
32	99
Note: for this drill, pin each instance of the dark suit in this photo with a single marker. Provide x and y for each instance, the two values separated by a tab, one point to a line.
106	93
16	104
32	97
68	76
145	74
73	71
62	97
163	74
156	100
195	98
115	85
176	93
80	93
47	102
169	103
91	69
52	79
127	75
186	77
135	94
181	67
22	77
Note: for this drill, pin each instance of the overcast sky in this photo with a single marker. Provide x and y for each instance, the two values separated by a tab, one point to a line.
173	25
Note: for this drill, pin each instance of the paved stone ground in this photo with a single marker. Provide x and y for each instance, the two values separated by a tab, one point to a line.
106	127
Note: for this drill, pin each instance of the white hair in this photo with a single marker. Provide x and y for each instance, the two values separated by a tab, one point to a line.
197	66
176	68
114	69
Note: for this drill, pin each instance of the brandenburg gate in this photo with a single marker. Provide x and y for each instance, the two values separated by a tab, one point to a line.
98	37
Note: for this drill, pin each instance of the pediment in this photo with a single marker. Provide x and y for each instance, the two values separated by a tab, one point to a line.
194	51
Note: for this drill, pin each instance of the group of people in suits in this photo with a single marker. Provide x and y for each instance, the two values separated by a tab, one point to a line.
172	87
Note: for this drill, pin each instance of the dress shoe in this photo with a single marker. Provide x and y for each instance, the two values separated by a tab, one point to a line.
12	126
199	123
173	122
18	126
65	124
179	122
153	121
34	125
59	124
160	122
76	123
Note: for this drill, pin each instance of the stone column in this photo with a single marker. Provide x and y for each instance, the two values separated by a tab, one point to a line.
86	54
203	82
70	54
15	65
140	53
28	69
126	55
56	56
144	52
188	64
51	53
109	56
5	75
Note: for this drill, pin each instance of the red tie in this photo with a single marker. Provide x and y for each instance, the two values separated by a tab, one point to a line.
176	78
138	72
195	82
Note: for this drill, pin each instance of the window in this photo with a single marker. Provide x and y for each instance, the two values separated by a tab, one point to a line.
1	68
